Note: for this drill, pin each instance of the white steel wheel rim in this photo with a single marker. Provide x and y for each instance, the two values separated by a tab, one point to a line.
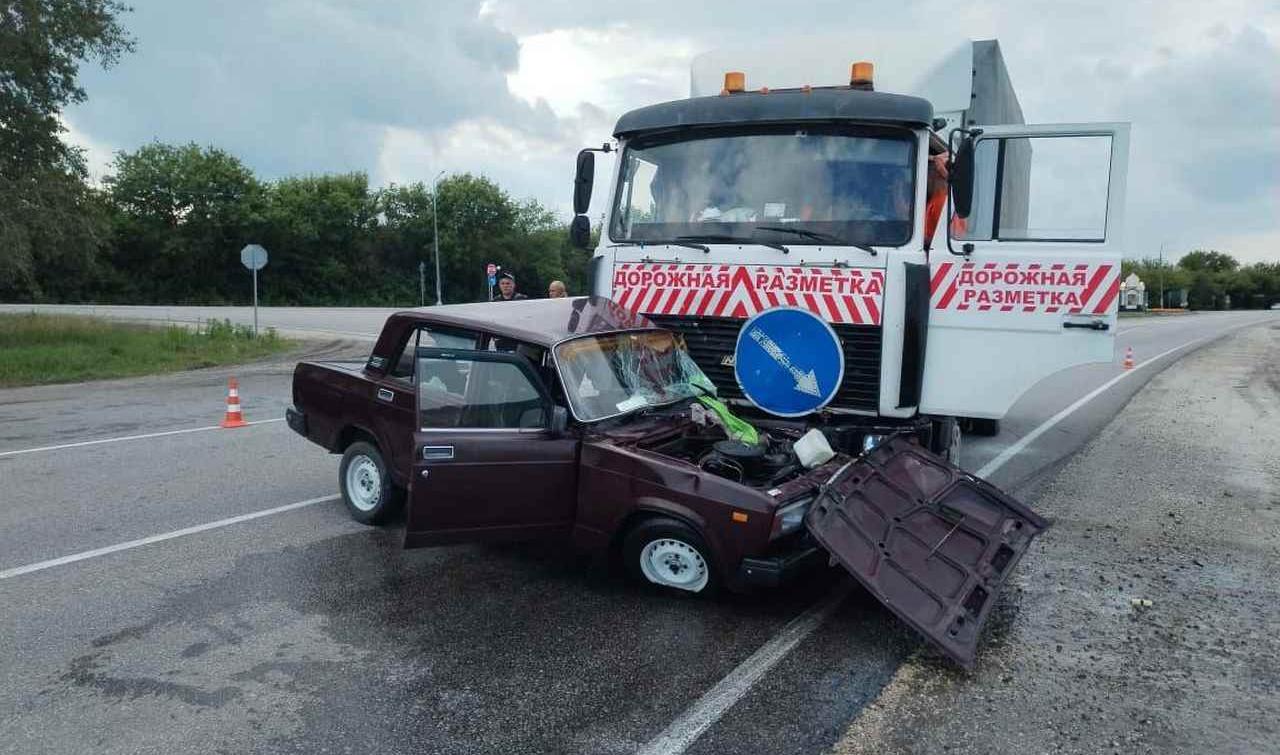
364	483
674	563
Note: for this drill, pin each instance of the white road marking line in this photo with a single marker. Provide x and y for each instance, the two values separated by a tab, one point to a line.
1019	445
18	571
682	732
130	437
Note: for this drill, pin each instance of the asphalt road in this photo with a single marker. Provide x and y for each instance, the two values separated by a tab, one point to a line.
302	631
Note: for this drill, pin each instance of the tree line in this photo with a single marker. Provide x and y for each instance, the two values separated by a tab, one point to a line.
1210	279
168	223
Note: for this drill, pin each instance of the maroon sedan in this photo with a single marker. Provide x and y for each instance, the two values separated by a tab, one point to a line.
577	419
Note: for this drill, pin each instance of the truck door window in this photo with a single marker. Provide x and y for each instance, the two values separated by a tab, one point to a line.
483	394
1051	188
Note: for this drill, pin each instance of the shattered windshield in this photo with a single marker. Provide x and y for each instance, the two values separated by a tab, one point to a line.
813	185
615	373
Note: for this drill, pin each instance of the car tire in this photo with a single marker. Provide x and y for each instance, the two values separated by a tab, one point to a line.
366	485
670	555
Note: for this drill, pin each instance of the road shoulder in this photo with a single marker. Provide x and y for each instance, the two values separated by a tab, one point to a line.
1144	620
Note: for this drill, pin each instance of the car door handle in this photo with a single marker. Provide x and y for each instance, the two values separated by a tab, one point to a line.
437	453
1091	325
386	395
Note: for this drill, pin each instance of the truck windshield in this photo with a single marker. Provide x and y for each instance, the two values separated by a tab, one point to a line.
795	185
617	373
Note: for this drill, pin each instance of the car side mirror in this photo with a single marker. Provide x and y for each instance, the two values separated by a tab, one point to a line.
583	181
961	175
580	232
559	420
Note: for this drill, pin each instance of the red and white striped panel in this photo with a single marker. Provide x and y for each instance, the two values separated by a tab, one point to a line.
1025	287
838	295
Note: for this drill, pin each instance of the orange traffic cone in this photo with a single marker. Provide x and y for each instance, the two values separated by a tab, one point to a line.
1128	358
234	418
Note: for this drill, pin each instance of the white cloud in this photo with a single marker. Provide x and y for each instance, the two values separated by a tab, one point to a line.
98	155
615	68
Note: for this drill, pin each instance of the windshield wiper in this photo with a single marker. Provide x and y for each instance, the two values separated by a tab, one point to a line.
816	236
661	242
723	239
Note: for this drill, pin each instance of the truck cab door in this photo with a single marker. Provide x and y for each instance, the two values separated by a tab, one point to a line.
1032	282
487	463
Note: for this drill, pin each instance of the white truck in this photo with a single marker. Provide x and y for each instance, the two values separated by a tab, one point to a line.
767	188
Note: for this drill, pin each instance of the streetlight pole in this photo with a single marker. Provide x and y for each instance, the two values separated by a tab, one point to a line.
435	232
1161	275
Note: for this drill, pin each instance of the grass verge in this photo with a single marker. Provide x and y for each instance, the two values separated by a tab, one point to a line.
41	349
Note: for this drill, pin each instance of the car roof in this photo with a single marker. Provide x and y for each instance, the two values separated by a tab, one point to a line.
538	321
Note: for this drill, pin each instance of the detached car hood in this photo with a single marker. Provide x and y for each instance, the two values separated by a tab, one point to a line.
930	541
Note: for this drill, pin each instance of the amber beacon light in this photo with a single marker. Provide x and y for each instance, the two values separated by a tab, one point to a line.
734	81
861	75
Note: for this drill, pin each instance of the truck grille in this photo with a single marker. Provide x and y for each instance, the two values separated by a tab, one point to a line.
711	339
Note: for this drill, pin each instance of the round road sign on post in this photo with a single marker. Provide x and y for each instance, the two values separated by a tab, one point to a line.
788	361
253	257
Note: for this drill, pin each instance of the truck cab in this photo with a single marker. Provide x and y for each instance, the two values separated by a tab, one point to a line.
960	255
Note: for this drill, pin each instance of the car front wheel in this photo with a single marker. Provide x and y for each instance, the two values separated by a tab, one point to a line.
669	554
366	485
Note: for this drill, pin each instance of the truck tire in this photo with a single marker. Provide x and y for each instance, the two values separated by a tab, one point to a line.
366	485
669	554
984	427
947	437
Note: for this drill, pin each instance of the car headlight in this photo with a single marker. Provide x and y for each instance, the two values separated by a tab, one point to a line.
789	518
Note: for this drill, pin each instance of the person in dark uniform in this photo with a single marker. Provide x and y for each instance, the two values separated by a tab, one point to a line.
507	288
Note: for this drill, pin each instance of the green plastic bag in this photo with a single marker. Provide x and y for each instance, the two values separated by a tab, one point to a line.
737	429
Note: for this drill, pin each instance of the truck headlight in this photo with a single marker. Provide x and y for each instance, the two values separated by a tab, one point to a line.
789	518
871	441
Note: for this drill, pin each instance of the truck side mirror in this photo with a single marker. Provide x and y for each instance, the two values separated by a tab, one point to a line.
559	420
580	232
583	181
961	174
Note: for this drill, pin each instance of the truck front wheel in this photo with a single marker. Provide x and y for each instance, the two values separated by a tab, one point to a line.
366	485
947	440
670	554
985	427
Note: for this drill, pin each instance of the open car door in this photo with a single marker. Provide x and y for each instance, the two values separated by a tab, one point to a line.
931	542
1032	284
488	462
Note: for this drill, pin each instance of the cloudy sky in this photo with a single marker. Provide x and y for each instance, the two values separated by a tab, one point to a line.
402	89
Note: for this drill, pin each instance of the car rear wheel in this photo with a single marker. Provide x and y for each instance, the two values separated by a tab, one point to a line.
669	554
366	485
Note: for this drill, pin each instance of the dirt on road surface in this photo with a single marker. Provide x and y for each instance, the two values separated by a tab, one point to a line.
1146	619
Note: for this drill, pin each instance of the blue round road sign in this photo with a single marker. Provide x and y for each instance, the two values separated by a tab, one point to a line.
788	361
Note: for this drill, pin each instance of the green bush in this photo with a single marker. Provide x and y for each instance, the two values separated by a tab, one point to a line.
40	349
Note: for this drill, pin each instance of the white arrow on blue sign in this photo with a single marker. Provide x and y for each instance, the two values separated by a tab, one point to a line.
788	361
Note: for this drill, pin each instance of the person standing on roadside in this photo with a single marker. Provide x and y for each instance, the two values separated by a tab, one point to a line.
557	290
507	288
